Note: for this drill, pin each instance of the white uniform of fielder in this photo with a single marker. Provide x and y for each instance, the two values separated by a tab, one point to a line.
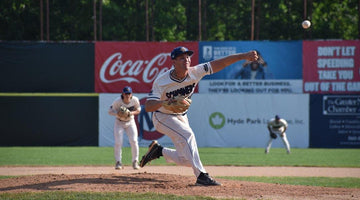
128	126
278	126
176	126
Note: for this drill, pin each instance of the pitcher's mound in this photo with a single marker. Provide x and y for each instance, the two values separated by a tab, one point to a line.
170	184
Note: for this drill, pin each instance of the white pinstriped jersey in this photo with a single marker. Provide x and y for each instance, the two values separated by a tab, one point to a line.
274	126
165	86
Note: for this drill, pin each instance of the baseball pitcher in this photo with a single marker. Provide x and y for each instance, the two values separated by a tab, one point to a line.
169	101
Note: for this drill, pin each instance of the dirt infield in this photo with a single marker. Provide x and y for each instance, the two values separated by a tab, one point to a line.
176	180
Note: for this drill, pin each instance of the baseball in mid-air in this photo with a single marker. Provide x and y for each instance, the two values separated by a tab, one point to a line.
306	24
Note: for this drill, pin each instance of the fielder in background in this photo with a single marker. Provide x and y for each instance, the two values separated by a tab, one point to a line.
277	127
124	109
175	87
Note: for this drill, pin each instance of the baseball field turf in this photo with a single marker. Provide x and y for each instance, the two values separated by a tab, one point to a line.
56	156
103	156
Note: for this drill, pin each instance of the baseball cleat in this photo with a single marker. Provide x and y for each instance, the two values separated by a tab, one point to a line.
205	180
118	165
135	165
154	152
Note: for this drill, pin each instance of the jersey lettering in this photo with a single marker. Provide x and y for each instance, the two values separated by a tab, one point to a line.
181	91
206	68
277	126
151	93
132	108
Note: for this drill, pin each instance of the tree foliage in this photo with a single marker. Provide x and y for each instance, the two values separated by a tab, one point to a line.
124	20
336	19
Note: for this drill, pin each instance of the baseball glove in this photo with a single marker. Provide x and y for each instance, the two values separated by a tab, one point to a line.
273	135
124	113
178	104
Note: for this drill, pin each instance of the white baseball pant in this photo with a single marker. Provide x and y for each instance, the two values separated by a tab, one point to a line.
131	131
178	129
284	139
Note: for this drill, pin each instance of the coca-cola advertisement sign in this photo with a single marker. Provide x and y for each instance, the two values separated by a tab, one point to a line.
134	64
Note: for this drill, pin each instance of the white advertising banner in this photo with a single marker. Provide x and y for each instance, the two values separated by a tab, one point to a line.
233	86
230	120
226	120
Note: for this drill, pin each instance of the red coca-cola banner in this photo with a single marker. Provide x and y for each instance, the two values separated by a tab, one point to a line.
331	67
134	64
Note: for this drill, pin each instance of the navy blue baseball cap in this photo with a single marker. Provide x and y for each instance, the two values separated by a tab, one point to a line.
277	117
180	50
127	90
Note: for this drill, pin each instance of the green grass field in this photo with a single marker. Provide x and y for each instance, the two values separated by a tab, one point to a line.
56	156
100	156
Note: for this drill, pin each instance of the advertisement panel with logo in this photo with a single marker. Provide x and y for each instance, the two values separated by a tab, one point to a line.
331	67
335	121
222	125
241	120
278	70
134	64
